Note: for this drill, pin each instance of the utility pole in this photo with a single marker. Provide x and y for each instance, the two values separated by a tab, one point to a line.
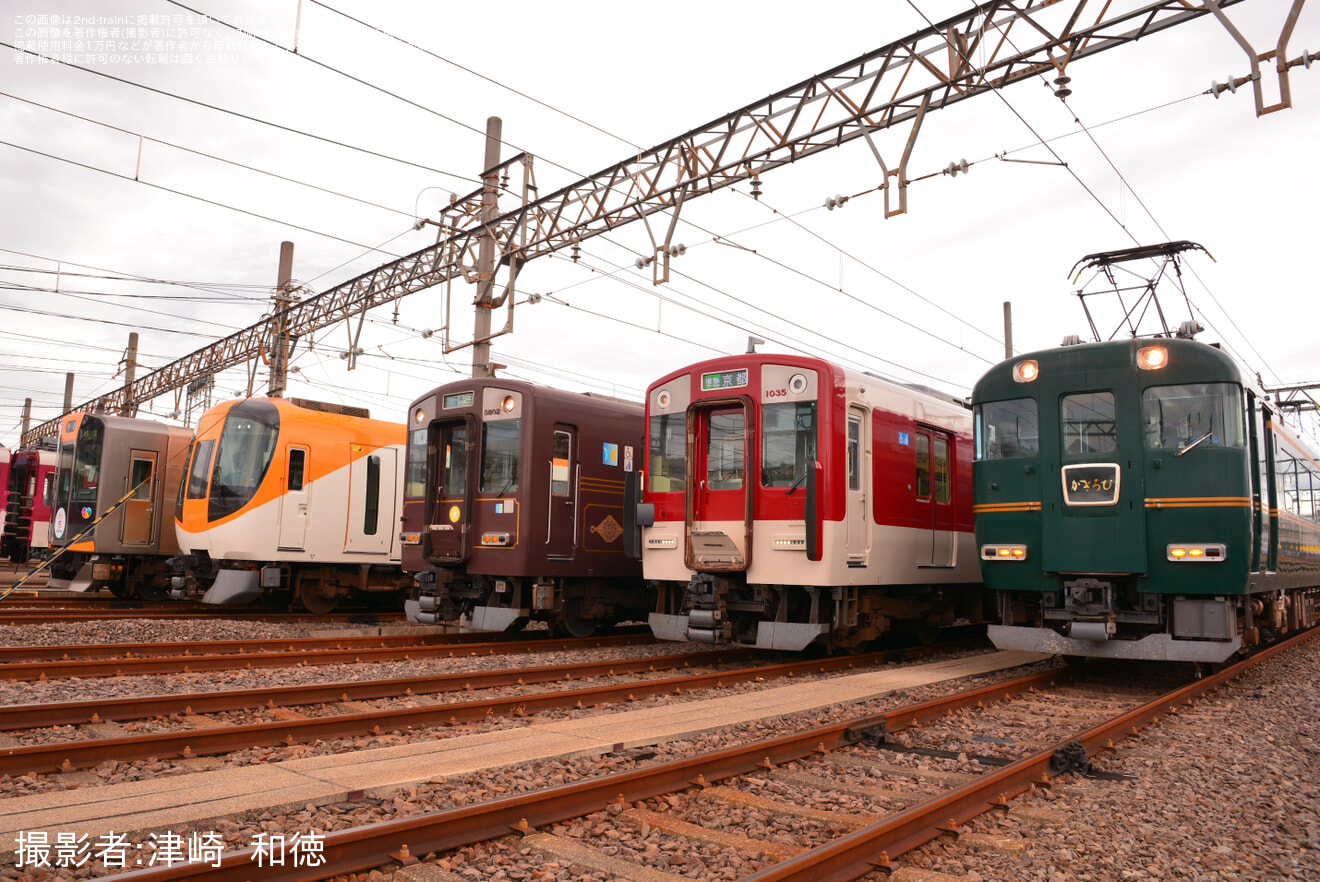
128	407
490	181
27	416
1008	329
68	393
279	360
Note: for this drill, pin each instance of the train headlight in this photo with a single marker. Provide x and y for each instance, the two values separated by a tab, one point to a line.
1199	553
663	399
508	404
1003	552
1152	358
419	416
1026	371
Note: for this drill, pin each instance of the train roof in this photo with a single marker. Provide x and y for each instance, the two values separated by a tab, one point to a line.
535	390
1186	359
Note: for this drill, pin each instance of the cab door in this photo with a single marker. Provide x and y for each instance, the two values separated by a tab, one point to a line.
561	529
719	503
859	479
934	488
140	509
450	493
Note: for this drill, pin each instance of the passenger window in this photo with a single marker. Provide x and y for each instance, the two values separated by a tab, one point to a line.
371	518
297	468
942	470
559	470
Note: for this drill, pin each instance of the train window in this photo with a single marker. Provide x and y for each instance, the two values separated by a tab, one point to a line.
65	470
139	478
854	452
668	451
1088	422
1007	429
456	457
242	456
371	517
923	465
416	469
48	491
500	443
941	470
559	457
1177	416
201	467
725	451
788	443
87	468
297	468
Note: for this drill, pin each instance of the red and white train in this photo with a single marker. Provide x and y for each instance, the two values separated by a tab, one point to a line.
28	511
790	502
296	500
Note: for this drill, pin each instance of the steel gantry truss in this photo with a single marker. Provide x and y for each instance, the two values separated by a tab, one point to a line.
971	54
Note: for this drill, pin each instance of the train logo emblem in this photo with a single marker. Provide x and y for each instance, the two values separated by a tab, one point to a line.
608	529
454	514
610	454
60	520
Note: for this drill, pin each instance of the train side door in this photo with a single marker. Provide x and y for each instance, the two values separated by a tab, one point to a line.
859	479
371	483
450	513
294	502
561	530
933	489
139	509
719	510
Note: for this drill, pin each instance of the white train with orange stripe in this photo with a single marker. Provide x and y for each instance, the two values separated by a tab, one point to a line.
296	500
791	502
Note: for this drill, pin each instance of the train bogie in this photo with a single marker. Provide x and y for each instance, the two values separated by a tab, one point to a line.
297	501
514	507
790	502
114	503
1141	499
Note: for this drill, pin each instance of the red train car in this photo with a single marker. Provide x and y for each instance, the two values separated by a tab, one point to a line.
31	487
513	507
791	502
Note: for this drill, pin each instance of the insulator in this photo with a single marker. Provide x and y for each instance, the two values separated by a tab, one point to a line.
756	188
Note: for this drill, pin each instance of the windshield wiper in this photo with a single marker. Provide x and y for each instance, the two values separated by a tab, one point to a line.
796	484
1209	434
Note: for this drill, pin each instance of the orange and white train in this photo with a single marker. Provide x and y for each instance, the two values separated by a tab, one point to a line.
296	500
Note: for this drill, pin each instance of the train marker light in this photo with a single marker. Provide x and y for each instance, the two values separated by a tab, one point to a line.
1003	552
1152	358
1206	553
497	539
1026	371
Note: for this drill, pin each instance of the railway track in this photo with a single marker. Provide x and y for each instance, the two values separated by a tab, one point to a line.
138	660
333	710
573	824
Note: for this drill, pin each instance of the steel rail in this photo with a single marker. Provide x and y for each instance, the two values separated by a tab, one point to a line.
50	670
860	852
46	617
71	755
362	848
72	713
183	649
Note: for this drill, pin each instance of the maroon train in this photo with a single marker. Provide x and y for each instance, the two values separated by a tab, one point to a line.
514	507
31	495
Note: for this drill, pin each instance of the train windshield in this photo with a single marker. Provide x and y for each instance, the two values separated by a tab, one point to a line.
501	441
668	452
1175	417
86	477
247	443
201	467
788	442
1007	429
1089	423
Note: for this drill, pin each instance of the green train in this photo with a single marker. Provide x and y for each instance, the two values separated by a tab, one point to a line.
1142	499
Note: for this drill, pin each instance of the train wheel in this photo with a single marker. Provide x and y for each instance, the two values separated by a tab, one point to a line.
120	590
572	623
152	592
316	596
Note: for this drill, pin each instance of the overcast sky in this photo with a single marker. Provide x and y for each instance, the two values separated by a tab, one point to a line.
236	144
